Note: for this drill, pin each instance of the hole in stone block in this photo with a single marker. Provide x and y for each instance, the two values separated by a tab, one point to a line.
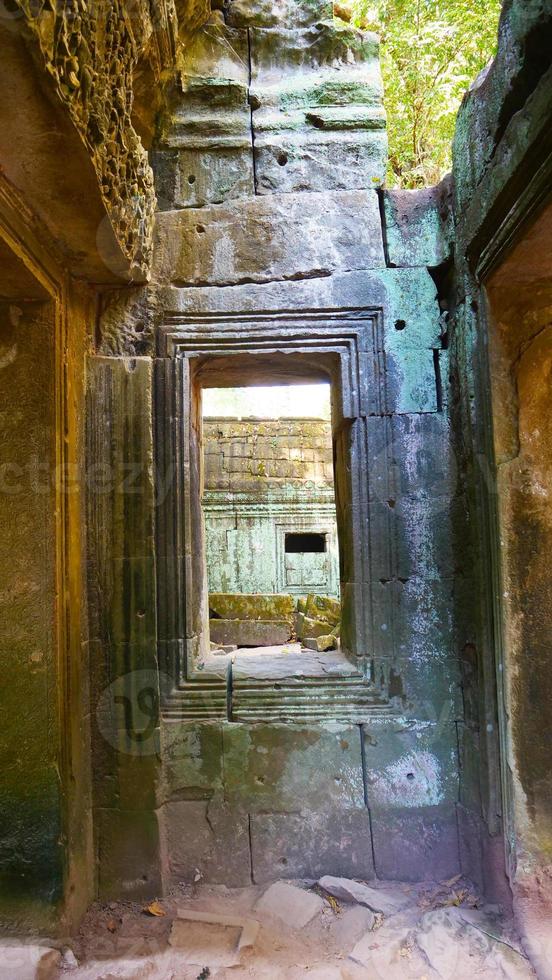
301	544
400	324
282	159
192	179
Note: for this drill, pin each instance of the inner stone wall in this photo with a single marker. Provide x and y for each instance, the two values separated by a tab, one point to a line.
268	181
30	790
264	479
499	353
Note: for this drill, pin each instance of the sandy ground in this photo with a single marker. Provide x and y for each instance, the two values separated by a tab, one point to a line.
442	931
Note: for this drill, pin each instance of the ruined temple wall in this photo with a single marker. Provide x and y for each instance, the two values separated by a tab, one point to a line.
76	211
264	479
499	299
272	223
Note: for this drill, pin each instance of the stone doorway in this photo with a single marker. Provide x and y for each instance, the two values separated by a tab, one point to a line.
519	292
270	520
316	348
31	615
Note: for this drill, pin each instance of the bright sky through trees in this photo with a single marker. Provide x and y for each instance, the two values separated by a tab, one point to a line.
431	50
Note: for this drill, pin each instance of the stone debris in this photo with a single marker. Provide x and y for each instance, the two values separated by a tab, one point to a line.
451	939
210	938
318	622
321	643
386	901
454	943
324	608
348	927
28	962
249	632
294	933
307	627
69	960
294	906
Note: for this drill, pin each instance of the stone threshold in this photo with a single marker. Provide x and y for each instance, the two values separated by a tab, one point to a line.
270	685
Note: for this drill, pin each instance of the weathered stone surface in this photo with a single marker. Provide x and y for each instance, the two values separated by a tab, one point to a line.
418	225
290	161
266	239
416	844
307	627
294	906
404	381
311	843
384	954
352	923
204	150
264	13
248	927
128	854
291	666
32	851
488	143
205	937
323	607
382	900
222	651
288	767
317	110
251	607
206	841
192	760
451	939
249	633
321	643
410	765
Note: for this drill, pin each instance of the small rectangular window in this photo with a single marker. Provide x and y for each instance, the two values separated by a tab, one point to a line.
306	543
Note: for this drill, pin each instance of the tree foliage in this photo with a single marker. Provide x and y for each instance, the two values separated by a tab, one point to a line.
431	50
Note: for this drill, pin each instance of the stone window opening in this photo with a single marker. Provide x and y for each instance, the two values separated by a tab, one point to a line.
196	354
268	502
305	543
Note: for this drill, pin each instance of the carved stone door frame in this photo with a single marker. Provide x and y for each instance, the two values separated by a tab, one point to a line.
345	346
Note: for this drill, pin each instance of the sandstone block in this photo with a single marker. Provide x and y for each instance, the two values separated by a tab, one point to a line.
266	239
311	843
249	633
252	607
416	844
205	937
311	627
348	927
192	759
324	607
419	225
381	900
206	841
321	643
204	153
318	119
279	767
294	906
